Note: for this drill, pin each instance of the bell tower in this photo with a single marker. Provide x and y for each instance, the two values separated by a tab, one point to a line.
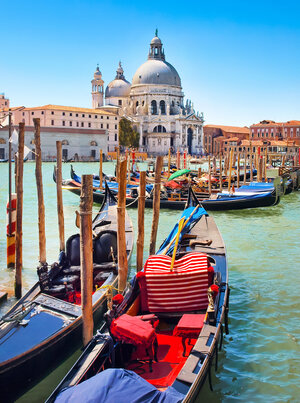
97	89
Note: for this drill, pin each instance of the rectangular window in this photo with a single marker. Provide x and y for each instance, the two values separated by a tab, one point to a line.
70	123
96	116
71	114
32	113
116	118
52	113
107	126
120	102
101	125
107	117
116	126
101	117
90	116
63	123
93	153
116	137
89	125
83	115
77	124
63	113
77	115
52	122
82	124
23	113
42	112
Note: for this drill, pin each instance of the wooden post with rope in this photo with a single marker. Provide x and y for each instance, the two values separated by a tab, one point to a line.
86	257
39	186
19	226
141	219
122	254
60	207
156	203
230	170
101	170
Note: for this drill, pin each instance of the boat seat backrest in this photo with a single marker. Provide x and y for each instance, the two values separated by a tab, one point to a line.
73	250
182	290
102	245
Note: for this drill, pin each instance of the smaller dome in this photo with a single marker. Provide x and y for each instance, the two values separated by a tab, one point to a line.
118	88
97	72
155	41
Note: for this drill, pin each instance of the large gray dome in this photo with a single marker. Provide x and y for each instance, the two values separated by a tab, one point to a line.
156	72
117	88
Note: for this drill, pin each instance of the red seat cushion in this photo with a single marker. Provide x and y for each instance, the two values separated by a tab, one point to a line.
133	330
189	325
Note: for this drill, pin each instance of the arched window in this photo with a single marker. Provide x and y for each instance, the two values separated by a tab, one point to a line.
153	107
162	106
93	144
65	143
159	129
137	103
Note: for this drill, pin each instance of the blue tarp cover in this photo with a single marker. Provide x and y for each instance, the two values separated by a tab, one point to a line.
117	386
186	213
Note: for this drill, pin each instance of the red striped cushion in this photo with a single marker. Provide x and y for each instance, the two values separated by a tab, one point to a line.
182	290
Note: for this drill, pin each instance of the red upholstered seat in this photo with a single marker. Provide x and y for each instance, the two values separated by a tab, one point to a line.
182	290
140	333
189	327
133	330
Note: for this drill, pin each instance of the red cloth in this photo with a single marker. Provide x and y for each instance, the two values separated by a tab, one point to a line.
133	330
189	325
182	290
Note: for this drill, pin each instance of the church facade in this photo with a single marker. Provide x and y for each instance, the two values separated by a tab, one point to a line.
154	103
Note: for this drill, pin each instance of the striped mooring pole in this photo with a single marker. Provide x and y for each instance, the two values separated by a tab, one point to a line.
11	232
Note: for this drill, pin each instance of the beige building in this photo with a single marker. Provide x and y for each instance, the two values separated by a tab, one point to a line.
83	131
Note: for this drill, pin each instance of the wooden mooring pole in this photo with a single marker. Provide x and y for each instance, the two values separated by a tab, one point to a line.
101	170
19	229
122	254
245	167
156	204
86	257
60	208
238	170
169	162
230	170
209	176
141	216
40	195
221	174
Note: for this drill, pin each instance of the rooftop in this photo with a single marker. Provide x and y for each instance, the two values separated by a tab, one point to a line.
234	129
69	109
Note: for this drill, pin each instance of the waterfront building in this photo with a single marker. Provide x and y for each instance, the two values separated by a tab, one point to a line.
216	136
83	131
4	102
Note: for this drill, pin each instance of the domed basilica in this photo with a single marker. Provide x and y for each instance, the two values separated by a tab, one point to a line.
154	103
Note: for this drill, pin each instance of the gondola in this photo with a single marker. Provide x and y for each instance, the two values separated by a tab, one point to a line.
158	343
46	323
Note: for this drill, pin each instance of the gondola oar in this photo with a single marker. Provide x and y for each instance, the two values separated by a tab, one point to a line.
184	225
180	226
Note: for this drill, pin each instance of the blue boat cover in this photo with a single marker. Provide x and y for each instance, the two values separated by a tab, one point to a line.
186	214
117	386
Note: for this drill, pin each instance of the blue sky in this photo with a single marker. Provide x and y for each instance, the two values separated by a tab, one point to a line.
239	61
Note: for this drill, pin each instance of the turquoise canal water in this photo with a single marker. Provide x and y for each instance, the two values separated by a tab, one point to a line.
260	358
